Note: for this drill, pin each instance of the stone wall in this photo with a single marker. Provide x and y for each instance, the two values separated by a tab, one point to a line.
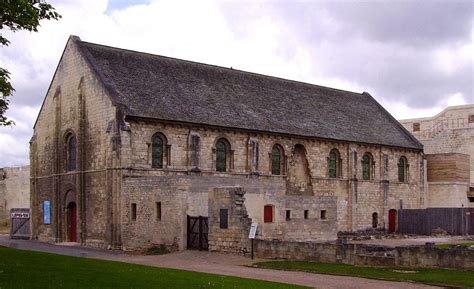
14	189
76	104
369	255
450	131
233	237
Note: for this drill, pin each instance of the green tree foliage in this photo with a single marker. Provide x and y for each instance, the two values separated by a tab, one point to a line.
19	15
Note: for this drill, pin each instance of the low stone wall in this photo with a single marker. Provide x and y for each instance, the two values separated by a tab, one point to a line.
369	255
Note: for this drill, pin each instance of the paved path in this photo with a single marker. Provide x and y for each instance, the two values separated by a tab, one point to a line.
211	263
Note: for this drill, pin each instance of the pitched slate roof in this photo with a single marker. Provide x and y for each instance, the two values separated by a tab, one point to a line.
158	87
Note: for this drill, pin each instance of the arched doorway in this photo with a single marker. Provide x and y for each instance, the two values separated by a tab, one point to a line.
71	215
392	221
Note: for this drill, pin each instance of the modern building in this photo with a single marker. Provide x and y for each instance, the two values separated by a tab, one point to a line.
448	140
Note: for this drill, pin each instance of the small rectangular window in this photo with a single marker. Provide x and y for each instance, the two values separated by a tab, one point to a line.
134	212
224	219
158	211
323	214
306	214
416	126
288	215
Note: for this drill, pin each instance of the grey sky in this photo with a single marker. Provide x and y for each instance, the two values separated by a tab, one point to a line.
414	57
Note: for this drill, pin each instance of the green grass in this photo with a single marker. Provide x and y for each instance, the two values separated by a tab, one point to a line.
448	277
28	269
448	246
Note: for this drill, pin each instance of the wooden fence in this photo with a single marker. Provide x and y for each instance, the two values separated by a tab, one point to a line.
455	221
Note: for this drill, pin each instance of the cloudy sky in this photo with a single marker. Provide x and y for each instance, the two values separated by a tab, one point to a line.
414	57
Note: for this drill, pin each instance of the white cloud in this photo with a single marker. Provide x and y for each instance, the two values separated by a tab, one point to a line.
247	36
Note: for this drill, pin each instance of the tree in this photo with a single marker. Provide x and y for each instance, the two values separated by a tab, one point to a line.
19	15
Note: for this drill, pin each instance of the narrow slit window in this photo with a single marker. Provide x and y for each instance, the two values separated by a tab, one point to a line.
306	214
134	212
288	215
158	211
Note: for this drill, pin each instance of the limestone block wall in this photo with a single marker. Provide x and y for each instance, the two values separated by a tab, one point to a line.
234	237
450	131
76	103
14	189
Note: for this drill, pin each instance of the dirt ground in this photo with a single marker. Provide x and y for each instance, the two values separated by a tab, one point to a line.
215	263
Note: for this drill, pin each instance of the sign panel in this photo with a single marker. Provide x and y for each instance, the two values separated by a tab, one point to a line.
20	215
47	212
253	231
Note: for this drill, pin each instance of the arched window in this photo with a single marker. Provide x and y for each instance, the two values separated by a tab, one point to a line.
157	151
402	169
268	214
334	164
375	220
277	160
367	162
222	154
71	153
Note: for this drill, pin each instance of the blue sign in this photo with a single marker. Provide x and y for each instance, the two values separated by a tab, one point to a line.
47	212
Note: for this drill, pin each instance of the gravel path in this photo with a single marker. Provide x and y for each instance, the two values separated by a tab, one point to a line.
215	263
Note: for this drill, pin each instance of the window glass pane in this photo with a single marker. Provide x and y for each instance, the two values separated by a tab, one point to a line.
333	165
157	152
401	170
221	155
366	167
276	161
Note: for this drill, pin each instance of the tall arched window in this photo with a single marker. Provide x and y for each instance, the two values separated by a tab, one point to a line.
402	169
157	151
367	161
334	164
222	154
277	160
71	153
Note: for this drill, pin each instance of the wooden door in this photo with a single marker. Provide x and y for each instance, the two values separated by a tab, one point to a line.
392	221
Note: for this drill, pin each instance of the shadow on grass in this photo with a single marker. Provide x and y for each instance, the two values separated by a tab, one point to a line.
28	269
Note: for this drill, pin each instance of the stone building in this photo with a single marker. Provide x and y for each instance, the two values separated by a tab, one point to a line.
448	140
132	149
14	189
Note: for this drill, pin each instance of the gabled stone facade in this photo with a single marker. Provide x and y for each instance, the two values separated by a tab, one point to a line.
116	195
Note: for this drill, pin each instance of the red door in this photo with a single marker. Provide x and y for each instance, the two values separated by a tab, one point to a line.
392	220
72	222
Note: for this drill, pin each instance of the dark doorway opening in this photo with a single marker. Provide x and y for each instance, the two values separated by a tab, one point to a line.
197	233
392	221
71	216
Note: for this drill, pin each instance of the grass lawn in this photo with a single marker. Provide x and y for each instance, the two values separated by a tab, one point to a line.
430	276
447	246
28	269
